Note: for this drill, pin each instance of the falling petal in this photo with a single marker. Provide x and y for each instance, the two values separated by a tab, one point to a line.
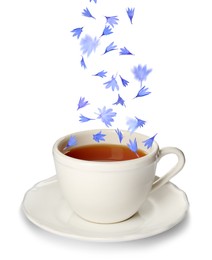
107	30
113	84
112	20
71	142
143	92
125	51
82	103
87	13
130	13
140	122
106	115
124	81
119	101
99	137
133	145
141	73
134	123
77	32
84	119
88	44
82	62
149	142
101	74
120	135
110	47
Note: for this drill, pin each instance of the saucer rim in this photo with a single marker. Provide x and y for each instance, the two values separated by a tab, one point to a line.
128	237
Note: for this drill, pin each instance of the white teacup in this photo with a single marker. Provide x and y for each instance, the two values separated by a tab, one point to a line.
110	192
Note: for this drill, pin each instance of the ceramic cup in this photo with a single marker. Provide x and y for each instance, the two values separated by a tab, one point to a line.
110	192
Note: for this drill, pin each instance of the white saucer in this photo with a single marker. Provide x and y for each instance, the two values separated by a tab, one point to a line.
45	207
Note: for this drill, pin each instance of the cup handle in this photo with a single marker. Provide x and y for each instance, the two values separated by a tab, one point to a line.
171	173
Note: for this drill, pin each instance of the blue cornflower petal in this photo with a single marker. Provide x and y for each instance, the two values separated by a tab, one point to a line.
141	73
130	13
125	51
134	123
106	115
82	103
143	92
133	145
99	137
77	32
101	74
88	44
107	30
124	81
87	13
71	142
119	101
120	135
140	122
112	20
82	62
95	1
110	47
84	119
113	84
149	142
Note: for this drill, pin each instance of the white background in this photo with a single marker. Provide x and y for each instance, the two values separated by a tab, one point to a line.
38	86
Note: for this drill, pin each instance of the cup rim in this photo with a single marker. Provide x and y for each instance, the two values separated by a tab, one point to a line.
150	157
